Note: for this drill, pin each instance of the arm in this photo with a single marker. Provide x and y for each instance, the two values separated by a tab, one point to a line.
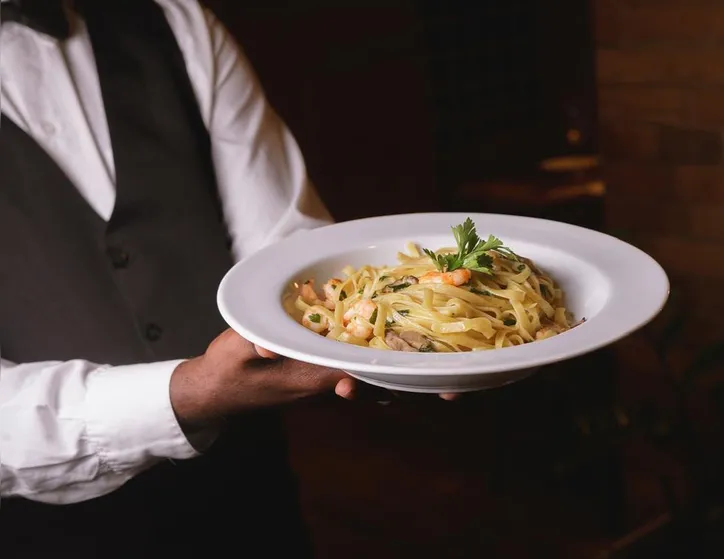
71	431
261	174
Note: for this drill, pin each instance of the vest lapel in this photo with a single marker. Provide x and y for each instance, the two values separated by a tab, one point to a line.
23	152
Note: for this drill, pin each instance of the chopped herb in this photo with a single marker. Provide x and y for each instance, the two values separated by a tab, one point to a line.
373	318
404	312
480	291
342	295
316	318
400	286
389	322
361	291
383	278
472	251
509	322
427	349
521	267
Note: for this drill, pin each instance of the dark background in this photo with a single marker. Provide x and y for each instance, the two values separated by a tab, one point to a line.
414	105
409	100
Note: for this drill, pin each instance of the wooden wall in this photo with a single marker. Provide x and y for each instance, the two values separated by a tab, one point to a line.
660	72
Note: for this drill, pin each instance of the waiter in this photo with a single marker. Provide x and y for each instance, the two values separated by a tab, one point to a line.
139	160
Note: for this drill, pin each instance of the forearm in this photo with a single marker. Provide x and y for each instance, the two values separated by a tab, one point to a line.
71	431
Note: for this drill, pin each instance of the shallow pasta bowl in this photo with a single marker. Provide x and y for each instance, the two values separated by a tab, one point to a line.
616	287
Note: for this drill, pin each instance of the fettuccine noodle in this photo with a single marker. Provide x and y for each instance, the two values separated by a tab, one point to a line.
414	306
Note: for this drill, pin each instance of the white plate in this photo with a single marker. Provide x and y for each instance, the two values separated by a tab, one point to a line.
615	286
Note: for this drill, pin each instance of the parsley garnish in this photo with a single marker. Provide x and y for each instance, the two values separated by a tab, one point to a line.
361	291
400	286
472	251
509	322
373	318
383	278
316	318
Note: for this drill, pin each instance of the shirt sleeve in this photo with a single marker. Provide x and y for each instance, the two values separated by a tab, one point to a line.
75	430
262	178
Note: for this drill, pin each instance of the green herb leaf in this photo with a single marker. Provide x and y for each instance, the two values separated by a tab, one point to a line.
444	262
373	318
400	286
389	322
478	263
316	318
479	291
361	291
509	322
472	251
427	349
383	278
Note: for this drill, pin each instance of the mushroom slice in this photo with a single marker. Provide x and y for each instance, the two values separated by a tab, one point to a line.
408	340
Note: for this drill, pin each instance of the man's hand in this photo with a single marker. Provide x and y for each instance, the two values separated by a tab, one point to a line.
235	376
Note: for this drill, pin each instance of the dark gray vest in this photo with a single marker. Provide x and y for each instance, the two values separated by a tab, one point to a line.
139	288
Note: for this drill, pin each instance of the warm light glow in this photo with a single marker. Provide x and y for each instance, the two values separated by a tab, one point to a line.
573	136
569	163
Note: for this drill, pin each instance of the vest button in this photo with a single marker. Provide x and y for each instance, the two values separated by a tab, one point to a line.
153	332
118	257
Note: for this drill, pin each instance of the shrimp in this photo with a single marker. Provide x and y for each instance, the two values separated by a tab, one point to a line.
329	289
307	292
364	308
359	327
316	321
457	277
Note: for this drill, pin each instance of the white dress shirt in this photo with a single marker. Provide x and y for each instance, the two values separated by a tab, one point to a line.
71	431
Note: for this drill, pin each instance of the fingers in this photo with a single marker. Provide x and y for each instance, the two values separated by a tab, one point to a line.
242	347
265	353
345	388
231	345
314	379
351	389
307	378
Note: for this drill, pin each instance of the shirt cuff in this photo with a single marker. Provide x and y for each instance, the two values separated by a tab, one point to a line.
129	417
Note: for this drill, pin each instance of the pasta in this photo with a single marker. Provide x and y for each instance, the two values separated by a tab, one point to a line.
477	296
